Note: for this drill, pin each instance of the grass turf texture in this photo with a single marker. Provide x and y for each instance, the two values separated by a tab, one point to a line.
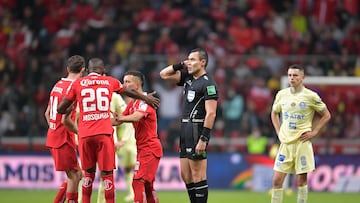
215	196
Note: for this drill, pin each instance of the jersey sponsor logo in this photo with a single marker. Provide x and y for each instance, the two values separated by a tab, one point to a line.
293	116
190	95
188	150
87	82
211	90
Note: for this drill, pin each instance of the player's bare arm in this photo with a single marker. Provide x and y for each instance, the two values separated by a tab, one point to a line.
325	117
210	107
69	123
135	117
149	98
47	114
275	121
63	108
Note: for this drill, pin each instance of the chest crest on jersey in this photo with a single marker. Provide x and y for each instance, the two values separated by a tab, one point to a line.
302	105
190	95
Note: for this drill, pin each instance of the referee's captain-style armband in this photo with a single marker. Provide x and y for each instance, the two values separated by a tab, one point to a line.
178	66
205	134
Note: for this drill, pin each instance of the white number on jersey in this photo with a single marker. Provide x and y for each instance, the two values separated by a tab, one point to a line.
54	101
95	99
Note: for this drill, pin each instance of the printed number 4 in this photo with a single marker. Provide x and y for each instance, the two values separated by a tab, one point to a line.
95	99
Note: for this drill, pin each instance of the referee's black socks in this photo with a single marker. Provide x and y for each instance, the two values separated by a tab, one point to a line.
201	191
191	191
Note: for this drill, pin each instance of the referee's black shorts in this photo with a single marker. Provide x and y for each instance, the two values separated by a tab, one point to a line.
189	137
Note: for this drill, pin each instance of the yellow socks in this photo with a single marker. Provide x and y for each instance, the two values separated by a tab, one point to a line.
277	195
302	194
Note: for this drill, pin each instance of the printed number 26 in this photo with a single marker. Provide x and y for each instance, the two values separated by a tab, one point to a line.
95	99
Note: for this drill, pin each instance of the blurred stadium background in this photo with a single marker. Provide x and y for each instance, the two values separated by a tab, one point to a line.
250	42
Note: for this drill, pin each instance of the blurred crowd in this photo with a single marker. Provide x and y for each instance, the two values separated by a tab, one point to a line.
250	42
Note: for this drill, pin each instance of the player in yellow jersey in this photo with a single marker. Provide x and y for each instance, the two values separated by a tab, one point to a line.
296	106
124	139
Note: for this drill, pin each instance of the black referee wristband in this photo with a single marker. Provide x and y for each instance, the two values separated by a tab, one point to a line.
204	139
178	66
205	133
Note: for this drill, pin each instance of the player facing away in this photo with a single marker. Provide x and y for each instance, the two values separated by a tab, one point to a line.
96	146
149	149
125	143
60	140
198	117
296	106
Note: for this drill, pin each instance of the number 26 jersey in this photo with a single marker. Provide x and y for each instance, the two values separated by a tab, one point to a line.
93	94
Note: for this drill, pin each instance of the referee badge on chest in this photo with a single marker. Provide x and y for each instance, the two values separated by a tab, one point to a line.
190	95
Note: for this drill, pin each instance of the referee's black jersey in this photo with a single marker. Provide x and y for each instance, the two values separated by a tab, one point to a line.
196	91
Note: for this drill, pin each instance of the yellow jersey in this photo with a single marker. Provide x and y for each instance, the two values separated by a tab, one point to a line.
297	112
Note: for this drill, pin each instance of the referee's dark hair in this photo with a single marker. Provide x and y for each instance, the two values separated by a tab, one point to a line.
297	66
137	74
202	54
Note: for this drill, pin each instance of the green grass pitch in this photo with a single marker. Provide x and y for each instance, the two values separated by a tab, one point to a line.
215	196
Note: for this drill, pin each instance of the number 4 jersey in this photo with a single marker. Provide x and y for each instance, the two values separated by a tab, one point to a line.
93	95
58	134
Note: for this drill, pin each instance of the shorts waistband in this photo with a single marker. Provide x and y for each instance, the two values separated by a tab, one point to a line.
194	120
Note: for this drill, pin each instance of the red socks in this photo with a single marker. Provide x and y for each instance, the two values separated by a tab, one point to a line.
139	191
61	195
87	187
144	192
72	197
151	195
109	188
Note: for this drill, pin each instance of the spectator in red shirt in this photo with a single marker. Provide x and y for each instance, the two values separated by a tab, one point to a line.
149	149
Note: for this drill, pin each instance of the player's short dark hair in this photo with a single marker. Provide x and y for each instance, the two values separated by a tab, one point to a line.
137	74
297	66
96	65
75	63
202	54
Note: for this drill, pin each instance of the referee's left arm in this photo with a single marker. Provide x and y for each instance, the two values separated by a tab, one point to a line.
210	108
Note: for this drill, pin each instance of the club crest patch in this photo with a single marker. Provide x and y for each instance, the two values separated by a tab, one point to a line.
302	105
190	95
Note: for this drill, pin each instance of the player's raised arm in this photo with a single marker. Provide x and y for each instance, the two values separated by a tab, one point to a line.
172	72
